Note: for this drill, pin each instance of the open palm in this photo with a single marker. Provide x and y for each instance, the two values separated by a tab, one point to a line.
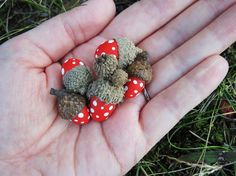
183	39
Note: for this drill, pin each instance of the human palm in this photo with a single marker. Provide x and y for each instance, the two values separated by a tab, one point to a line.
186	69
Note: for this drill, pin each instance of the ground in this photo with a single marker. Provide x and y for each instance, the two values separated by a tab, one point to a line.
206	134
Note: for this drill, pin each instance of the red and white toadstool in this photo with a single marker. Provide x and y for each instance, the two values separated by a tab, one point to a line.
71	106
69	64
82	118
103	99
100	110
76	76
121	48
133	87
140	73
109	47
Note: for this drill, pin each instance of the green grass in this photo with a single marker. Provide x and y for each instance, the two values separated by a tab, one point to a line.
203	142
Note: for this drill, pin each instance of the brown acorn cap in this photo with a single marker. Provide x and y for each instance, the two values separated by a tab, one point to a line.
119	77
69	104
105	65
103	90
143	56
78	79
141	68
127	52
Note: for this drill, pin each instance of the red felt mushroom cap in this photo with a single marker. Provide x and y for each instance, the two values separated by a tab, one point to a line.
70	64
82	118
99	110
109	47
133	87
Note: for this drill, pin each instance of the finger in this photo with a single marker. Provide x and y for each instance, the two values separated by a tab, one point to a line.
143	18
183	27
135	23
168	107
212	40
62	33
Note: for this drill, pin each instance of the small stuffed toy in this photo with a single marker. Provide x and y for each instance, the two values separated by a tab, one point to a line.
76	76
140	74
103	98
72	106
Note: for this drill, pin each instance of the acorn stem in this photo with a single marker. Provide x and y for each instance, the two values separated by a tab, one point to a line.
102	59
57	93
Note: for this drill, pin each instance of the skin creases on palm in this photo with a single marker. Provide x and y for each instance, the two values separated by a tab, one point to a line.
35	140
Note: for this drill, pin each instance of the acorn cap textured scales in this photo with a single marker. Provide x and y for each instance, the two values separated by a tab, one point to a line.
119	77
103	90
142	56
127	52
69	104
78	79
105	65
141	68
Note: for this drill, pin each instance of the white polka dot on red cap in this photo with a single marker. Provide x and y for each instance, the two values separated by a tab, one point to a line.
102	107
110	108
74	63
106	114
82	122
141	84
110	41
135	82
91	110
62	71
97	116
95	103
76	120
113	48
81	115
135	91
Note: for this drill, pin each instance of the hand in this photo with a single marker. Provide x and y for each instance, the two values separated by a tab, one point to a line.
187	68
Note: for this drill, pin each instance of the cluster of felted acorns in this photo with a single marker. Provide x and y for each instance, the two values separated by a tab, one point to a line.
121	71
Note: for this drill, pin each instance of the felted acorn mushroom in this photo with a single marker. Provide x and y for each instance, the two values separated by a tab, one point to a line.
76	76
140	74
103	99
122	48
71	106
